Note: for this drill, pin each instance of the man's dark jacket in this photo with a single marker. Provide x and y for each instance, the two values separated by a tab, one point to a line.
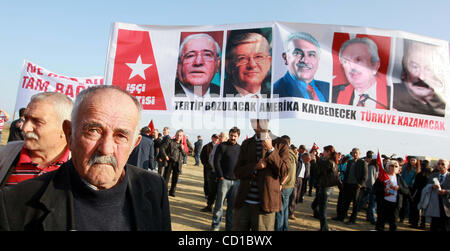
198	146
174	151
361	171
46	203
143	155
15	133
230	90
204	155
214	90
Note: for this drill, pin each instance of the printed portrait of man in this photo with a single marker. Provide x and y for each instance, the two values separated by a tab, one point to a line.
360	61
301	56
198	63
421	89
248	64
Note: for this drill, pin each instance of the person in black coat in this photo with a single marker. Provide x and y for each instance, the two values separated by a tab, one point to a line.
15	130
143	155
197	148
420	181
173	152
209	177
355	177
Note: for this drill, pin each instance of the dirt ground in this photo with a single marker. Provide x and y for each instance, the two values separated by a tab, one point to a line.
186	215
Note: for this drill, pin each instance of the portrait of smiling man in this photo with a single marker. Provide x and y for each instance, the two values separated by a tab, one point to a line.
95	189
301	56
248	64
198	62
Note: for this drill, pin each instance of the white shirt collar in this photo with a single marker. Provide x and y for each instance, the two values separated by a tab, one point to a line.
372	92
249	95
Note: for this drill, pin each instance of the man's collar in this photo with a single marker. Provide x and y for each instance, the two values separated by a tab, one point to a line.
25	158
240	90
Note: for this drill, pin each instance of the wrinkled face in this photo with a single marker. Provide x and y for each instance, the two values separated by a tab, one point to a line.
103	137
198	62
42	127
252	62
302	59
359	70
421	80
233	137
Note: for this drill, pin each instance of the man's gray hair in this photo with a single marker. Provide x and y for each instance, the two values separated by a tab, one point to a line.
90	91
197	36
371	45
61	103
301	36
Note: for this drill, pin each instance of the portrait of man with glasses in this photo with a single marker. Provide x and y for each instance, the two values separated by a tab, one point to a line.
248	64
198	63
301	56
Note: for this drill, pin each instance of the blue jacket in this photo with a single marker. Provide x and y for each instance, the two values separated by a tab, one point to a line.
287	86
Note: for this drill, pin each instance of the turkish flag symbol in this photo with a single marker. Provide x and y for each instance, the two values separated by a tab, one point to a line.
135	69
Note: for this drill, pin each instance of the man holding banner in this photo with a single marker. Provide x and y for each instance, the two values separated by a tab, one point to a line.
301	56
361	62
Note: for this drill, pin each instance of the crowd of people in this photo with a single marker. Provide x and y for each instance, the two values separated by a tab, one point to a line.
303	171
84	165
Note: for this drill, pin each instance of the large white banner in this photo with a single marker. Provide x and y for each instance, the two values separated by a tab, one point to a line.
343	74
35	79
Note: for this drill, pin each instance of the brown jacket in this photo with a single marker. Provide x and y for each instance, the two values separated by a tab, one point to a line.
268	179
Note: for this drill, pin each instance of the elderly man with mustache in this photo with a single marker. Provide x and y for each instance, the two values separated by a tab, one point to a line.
301	56
422	87
95	189
44	148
